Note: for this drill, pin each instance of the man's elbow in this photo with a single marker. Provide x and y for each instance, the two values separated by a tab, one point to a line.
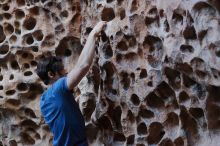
84	67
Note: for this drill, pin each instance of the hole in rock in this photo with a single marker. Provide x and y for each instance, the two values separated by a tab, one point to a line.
19	14
120	2
142	129
154	101
34	48
67	53
153	42
25	55
108	53
20	2
130	116
146	113
109	1
215	3
12	143
9	29
38	35
34	10
197	63
203	7
166	26
119	57
17	24
26	65
134	5
172	119
184	67
2	35
48	41
91	132
89	29
212	107
59	29
105	123
130	139
27	123
183	96
29	23
122	46
177	17
13	39
10	92
201	74
1	87
11	77
108	14
26	139
135	99
215	73
22	86
33	63
4	49
156	133
18	31
196	112
189	124
28	73
164	90
173	77
179	141
14	65
186	48
166	142
70	43
7	16
116	117
190	33
119	137
132	56
132	75
122	14
64	13
5	7
29	40
187	81
125	80
202	34
30	113
131	40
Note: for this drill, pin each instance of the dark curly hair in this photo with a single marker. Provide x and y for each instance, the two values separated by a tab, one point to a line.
46	64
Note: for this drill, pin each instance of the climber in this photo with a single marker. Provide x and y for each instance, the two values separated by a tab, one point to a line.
57	104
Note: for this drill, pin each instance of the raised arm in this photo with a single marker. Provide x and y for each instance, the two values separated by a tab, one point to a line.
85	59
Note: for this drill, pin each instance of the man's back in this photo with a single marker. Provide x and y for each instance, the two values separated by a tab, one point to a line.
62	114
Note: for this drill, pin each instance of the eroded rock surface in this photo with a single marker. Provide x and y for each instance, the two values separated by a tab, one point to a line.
28	30
155	78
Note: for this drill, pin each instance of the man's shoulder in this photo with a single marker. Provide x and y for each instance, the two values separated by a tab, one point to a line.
60	85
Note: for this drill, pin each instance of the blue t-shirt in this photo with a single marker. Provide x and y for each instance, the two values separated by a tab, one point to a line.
62	114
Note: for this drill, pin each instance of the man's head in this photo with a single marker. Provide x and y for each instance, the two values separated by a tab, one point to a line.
49	69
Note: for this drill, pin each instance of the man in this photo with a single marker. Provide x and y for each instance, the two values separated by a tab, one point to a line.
57	103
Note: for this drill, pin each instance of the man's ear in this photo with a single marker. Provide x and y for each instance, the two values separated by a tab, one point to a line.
50	74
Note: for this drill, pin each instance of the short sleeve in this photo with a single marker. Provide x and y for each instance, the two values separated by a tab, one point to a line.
61	85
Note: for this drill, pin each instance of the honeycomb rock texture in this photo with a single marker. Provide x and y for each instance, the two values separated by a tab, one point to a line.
30	30
155	79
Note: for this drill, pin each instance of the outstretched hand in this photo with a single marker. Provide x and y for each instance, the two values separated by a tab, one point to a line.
99	27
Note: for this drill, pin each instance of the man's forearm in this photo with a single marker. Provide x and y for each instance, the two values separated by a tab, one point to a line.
87	54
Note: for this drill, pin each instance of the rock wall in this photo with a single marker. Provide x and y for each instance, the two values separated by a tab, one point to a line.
30	30
155	78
